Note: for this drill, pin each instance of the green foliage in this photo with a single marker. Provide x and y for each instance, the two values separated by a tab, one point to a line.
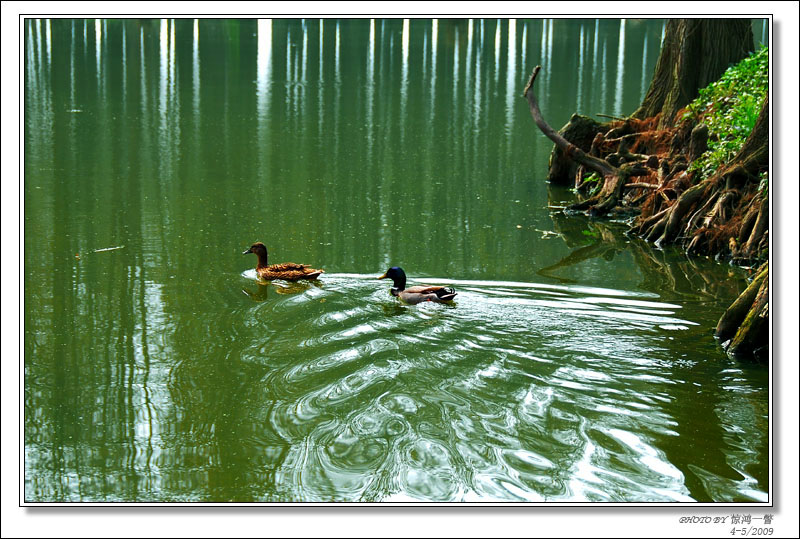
593	177
592	180
730	108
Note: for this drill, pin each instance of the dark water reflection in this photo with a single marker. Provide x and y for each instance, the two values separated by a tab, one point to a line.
577	363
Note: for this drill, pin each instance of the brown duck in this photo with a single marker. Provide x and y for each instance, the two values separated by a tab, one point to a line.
288	271
416	294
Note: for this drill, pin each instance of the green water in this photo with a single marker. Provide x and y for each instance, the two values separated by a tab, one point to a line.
576	364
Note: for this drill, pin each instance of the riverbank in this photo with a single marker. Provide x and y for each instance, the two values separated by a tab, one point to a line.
701	182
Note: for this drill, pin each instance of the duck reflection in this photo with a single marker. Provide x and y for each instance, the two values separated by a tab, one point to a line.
261	293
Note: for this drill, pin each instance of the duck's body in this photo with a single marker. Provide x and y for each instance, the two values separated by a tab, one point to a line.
288	271
416	294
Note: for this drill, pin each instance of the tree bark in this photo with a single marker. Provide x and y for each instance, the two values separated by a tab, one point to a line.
752	335
580	131
695	53
733	317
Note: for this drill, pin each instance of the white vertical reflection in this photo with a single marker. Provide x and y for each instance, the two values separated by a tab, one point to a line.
385	191
604	78
98	37
170	119
427	203
196	68
263	68
497	52
321	33
163	50
263	73
47	39
644	67
143	74
455	69
124	66
304	63
580	72
320	86
163	79
39	117
404	76
300	73
296	67
38	47
404	40
456	131
549	74
434	41
424	53
543	47
337	97
290	79
30	67
476	115
172	65
289	70
468	63
620	70
338	64
594	68
524	48
370	89
511	70
72	69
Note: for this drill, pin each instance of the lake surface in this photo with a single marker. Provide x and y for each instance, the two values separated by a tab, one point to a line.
576	364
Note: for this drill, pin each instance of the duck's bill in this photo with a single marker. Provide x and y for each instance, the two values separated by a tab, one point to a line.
382	276
247	252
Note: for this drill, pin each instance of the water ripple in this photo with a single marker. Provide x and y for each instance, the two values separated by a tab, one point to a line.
519	391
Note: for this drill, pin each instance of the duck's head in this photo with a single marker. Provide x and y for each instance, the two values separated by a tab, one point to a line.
256	248
260	251
397	275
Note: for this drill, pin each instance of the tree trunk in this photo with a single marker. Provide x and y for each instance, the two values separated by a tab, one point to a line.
752	334
580	131
733	317
695	53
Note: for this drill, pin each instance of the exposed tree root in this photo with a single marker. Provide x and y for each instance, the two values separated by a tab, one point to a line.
745	325
725	215
615	176
712	216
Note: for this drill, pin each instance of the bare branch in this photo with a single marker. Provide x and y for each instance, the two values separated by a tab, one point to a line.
572	151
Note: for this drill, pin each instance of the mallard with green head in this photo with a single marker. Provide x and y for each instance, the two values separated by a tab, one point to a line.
288	271
416	294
